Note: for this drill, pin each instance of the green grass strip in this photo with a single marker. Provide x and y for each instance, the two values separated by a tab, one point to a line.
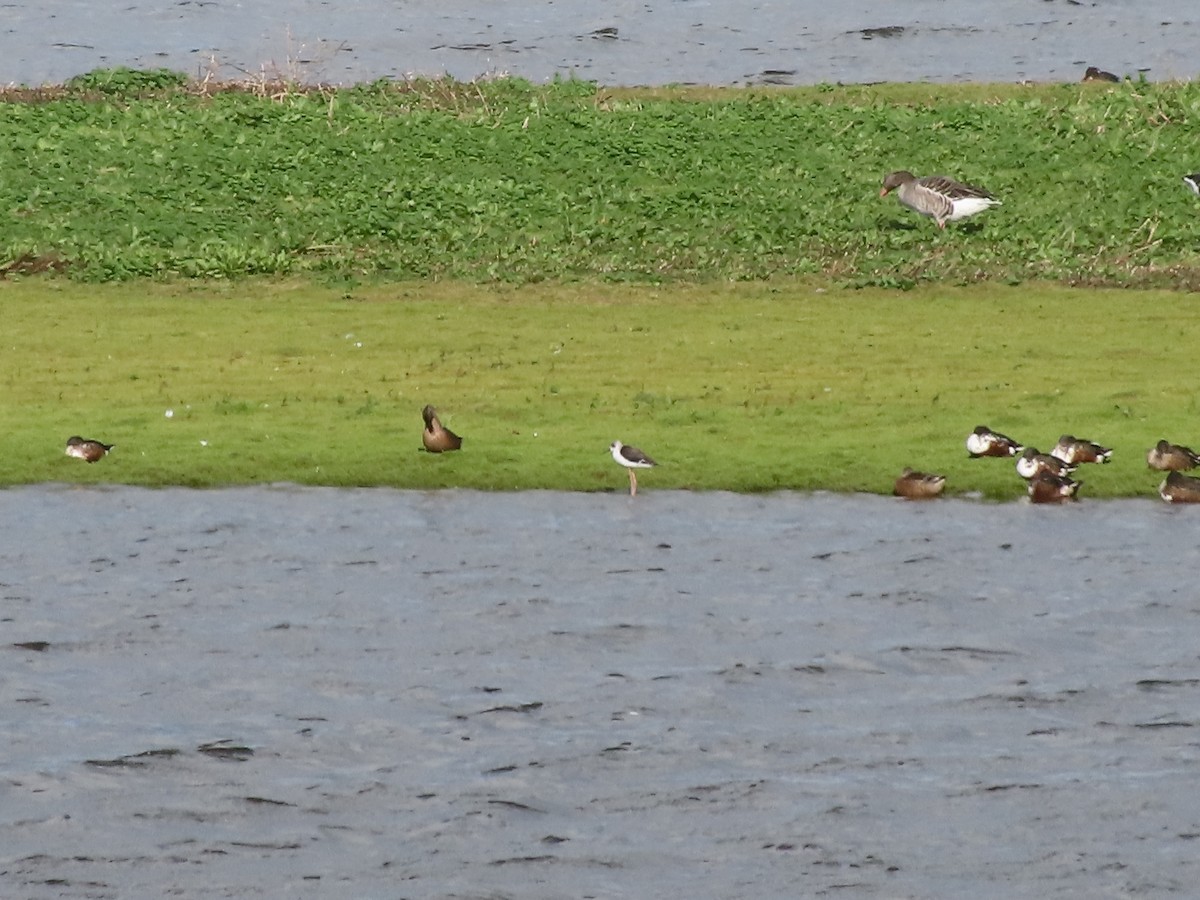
746	387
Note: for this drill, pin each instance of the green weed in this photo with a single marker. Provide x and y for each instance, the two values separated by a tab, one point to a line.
121	175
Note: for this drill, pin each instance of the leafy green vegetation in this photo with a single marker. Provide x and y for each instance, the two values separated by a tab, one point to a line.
125	174
747	387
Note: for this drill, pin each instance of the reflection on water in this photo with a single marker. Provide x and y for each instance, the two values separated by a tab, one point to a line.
616	43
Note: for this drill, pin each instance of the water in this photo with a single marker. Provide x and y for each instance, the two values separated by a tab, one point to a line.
621	42
372	693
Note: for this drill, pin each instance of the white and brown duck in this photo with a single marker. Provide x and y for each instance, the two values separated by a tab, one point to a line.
1073	450
436	438
87	449
940	198
1031	464
985	442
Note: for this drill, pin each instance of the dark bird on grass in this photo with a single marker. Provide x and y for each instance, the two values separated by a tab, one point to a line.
1031	464
631	458
942	199
1180	488
436	437
86	449
1193	182
1048	488
985	442
918	485
1168	457
1094	74
1073	450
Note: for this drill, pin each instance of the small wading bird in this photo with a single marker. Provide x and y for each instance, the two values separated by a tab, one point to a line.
1031	464
1073	450
631	458
918	485
1167	457
1047	488
86	449
1193	182
435	437
985	442
942	199
1180	488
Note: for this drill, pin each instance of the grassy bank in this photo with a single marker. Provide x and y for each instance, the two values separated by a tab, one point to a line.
746	387
120	177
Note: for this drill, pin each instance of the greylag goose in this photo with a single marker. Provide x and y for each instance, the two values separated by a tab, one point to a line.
985	442
942	199
436	437
87	449
631	458
1073	450
918	485
1168	457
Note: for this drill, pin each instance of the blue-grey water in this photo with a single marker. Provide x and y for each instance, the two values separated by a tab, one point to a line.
283	692
619	42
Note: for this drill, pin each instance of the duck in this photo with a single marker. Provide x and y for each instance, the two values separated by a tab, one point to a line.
1073	450
1094	74
985	442
914	485
1168	457
1180	488
87	449
437	438
1193	182
941	198
631	458
1048	488
1031	464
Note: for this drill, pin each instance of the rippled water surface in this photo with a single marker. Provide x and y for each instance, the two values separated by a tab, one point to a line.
616	42
370	693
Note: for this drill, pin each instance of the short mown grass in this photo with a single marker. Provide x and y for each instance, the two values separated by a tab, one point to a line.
744	387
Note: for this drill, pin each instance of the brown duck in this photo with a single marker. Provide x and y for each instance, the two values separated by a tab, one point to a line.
436	437
1047	488
1180	488
918	485
1168	457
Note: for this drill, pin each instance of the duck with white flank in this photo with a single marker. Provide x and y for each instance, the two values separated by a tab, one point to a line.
942	199
918	485
631	458
1031	464
87	449
1180	488
1168	457
436	438
985	442
1073	450
1193	182
1048	488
